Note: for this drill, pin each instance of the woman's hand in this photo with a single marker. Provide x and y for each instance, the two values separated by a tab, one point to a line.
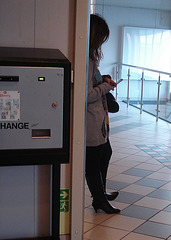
107	78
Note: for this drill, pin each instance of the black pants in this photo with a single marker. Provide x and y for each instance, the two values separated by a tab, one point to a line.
97	160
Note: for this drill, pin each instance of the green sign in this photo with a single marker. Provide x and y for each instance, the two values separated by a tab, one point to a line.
64	200
64	194
64	206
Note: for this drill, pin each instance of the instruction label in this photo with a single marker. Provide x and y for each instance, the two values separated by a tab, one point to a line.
9	105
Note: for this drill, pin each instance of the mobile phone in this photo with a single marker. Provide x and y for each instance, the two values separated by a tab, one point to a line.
120	80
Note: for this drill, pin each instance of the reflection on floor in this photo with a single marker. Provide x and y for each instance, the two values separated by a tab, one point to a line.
140	169
164	109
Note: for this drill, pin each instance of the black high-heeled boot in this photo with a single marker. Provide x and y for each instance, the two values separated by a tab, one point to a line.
105	206
100	201
111	196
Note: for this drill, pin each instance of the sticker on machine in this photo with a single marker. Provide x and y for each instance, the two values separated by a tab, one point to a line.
9	105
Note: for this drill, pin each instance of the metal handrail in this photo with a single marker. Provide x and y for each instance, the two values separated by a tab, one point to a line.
143	68
117	64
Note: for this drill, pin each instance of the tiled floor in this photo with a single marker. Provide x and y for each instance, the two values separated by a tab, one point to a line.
140	169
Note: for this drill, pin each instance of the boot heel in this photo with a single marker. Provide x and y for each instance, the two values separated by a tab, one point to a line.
106	207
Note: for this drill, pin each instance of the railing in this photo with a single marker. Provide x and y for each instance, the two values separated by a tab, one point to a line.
144	88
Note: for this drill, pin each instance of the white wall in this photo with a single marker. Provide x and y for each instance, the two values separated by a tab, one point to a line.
24	191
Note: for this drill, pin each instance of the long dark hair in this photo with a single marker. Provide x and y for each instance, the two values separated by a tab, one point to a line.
99	33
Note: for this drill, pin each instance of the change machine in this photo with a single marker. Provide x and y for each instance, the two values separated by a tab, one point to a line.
34	106
35	111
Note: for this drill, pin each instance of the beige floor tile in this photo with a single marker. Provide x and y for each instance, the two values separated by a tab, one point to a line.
160	176
147	166
118	155
167	164
105	233
138	158
135	147
155	162
128	163
123	222
162	217
142	153
127	150
125	178
167	186
88	226
114	139
112	173
119	204
95	218
121	144
136	236
138	189
117	168
152	203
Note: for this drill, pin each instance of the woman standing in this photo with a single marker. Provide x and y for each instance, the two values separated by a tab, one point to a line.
96	116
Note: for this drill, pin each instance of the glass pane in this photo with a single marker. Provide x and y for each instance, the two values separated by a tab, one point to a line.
135	87
165	98
122	87
150	91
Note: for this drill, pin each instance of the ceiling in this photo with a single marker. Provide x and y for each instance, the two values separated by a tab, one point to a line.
148	4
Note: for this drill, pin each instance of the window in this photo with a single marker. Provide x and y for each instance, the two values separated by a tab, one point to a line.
149	48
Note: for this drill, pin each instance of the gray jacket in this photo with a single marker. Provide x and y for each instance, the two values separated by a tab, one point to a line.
96	114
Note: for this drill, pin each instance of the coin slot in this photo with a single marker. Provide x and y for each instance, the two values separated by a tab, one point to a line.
41	133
